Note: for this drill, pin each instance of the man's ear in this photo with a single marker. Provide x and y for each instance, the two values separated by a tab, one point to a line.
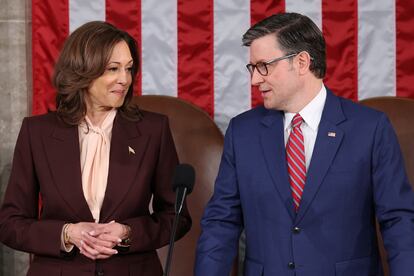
303	61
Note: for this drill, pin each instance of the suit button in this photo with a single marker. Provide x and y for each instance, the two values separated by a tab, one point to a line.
291	265
296	230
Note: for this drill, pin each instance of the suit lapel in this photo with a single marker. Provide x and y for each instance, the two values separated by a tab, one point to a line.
273	144
327	143
128	147
63	155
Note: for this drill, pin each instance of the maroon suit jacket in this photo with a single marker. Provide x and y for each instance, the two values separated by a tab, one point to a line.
47	161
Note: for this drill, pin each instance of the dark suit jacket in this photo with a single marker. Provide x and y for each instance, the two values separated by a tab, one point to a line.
356	173
47	160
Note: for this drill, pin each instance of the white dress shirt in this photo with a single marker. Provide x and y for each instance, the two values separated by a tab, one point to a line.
311	115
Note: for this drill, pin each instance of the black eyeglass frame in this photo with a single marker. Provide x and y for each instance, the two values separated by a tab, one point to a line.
263	64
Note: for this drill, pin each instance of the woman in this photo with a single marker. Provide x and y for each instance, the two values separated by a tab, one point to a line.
96	163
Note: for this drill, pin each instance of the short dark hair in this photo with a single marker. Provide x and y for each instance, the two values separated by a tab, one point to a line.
294	33
84	57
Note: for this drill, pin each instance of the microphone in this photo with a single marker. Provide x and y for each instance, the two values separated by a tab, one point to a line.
183	183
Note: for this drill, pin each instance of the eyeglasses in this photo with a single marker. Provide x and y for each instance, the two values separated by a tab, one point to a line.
261	66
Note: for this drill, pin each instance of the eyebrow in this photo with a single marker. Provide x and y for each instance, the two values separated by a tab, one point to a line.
260	60
117	62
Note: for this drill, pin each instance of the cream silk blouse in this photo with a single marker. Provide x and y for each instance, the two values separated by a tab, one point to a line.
95	142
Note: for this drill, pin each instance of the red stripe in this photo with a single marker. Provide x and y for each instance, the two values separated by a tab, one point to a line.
296	161
298	177
259	10
196	52
297	168
294	148
297	136
298	158
50	26
126	15
295	183
294	187
405	53
340	27
295	196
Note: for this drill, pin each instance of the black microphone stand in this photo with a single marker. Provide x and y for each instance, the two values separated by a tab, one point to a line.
178	208
171	247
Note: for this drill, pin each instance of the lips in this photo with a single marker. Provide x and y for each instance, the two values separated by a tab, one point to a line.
119	92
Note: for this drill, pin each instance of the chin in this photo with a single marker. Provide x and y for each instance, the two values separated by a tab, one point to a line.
271	105
118	104
267	104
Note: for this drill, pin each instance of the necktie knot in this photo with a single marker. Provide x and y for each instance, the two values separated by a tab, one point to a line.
297	121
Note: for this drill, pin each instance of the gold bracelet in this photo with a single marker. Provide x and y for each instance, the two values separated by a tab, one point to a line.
66	234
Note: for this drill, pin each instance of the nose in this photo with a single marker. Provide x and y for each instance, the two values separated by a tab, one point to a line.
257	79
123	76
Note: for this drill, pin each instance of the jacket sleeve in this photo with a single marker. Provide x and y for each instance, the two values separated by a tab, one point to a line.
394	200
222	220
153	231
19	224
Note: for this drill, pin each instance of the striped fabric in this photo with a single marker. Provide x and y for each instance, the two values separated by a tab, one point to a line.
192	49
295	156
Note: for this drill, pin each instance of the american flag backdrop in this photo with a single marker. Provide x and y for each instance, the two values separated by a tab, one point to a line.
191	49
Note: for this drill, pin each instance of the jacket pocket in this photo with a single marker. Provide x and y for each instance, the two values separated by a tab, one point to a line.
356	267
252	268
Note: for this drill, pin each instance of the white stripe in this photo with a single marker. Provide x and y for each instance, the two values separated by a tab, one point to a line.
293	164
296	151
296	202
81	11
299	135
310	8
231	79
159	47
296	193
301	165
299	147
295	183
376	48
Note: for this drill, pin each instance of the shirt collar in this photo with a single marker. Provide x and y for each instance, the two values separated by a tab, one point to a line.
86	127
311	113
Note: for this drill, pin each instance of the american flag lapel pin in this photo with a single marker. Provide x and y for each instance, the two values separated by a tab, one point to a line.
331	134
131	150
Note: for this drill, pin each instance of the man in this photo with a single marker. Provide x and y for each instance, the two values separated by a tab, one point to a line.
306	175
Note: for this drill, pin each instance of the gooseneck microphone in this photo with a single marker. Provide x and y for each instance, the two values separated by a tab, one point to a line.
183	183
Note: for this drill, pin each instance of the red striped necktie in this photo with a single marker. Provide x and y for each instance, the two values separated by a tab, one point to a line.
295	154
